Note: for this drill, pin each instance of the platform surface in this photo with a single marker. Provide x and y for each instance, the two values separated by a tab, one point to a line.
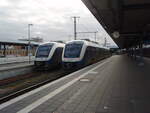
116	85
13	59
15	62
5	67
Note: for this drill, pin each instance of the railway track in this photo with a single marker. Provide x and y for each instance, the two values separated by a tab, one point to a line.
43	77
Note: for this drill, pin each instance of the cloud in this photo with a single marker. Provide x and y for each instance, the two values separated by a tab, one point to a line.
51	19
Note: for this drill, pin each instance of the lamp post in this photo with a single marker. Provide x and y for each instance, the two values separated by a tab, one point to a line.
29	43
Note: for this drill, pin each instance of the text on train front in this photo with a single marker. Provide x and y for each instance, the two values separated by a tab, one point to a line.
73	50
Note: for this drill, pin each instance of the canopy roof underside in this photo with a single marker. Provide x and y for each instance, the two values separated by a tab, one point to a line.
131	18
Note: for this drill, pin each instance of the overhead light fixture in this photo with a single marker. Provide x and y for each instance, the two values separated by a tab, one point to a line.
116	34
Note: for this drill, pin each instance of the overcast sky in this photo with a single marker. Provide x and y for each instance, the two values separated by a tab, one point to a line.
51	20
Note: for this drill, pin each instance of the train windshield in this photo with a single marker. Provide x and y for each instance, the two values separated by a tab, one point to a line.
73	50
44	50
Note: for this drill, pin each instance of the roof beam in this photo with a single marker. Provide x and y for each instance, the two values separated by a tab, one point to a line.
136	6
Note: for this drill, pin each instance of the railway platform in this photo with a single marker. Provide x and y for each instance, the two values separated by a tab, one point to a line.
115	85
12	69
15	65
13	59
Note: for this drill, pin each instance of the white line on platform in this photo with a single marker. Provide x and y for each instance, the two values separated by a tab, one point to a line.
55	92
93	72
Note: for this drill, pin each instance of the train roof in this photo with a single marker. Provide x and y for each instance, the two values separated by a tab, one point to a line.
89	43
59	44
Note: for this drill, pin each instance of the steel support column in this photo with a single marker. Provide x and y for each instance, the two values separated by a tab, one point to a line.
4	50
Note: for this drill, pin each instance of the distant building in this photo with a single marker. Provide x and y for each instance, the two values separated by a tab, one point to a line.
16	48
34	39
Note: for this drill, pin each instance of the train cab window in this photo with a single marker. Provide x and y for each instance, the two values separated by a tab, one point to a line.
73	50
44	50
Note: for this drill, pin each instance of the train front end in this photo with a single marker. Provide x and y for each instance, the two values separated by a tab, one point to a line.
43	55
73	54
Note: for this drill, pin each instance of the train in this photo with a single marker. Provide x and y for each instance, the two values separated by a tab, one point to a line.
80	53
49	55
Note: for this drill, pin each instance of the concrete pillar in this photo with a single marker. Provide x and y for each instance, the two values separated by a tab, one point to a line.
141	62
26	50
4	50
135	52
0	46
132	52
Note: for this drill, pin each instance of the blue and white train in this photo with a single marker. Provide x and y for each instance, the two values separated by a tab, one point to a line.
80	53
49	55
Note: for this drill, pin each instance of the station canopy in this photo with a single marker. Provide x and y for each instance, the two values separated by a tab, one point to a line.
127	21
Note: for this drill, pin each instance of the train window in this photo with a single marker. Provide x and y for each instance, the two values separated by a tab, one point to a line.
73	50
88	52
44	50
